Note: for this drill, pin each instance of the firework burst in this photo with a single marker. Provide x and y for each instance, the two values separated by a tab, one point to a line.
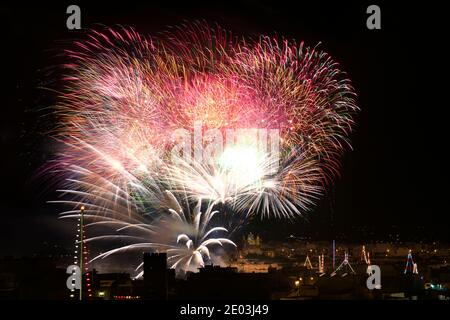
125	97
187	237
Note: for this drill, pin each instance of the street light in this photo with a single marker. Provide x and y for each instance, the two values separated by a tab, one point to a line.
297	285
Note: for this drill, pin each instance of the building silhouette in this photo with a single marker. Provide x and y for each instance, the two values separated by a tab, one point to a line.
155	276
215	283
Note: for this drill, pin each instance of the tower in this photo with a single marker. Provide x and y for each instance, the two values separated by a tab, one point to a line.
411	267
307	263
334	253
344	264
321	264
331	201
251	239
81	258
365	256
155	276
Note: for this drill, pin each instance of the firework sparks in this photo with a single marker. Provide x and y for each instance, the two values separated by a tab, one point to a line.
126	95
186	236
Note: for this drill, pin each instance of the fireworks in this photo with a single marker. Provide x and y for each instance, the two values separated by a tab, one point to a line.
202	116
186	237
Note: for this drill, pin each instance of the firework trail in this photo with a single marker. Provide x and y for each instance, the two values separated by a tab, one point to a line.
124	97
187	237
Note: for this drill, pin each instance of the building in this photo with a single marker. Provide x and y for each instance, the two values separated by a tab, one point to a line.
218	283
155	276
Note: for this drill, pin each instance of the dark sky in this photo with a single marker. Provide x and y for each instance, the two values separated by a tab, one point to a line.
391	178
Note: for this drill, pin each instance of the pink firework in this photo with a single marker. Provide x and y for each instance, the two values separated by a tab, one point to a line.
126	95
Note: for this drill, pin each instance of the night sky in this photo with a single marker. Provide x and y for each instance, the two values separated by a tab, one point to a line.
390	181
